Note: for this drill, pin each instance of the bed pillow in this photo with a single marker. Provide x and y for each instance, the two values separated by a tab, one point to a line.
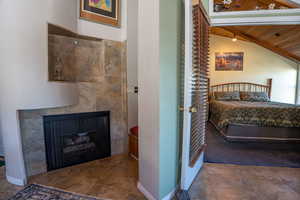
254	96
227	96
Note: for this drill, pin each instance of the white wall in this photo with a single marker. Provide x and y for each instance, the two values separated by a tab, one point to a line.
104	31
132	56
63	13
24	72
24	69
149	76
259	65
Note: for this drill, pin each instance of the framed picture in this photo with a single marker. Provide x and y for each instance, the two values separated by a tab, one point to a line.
230	61
101	11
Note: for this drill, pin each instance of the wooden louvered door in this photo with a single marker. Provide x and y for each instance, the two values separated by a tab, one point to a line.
195	92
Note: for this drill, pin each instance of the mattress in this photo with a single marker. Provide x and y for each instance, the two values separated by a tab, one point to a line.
267	114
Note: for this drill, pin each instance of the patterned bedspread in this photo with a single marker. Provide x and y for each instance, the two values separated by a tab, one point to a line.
270	114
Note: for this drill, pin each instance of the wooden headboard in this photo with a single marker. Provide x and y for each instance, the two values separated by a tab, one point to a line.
242	87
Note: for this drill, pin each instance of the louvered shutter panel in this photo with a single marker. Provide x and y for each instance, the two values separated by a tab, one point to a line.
200	84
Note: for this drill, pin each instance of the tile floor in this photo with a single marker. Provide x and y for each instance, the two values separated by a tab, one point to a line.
6	189
111	178
116	177
235	182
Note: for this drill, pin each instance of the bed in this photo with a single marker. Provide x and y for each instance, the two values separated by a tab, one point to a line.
245	119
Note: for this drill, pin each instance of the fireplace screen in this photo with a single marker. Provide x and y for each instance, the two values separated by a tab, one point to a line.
76	138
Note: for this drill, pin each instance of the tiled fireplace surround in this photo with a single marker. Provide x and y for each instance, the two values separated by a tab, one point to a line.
98	67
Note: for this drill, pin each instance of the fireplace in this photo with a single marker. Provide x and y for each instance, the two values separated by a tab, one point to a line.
76	138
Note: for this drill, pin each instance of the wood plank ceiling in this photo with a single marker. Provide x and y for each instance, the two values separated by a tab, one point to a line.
243	5
281	39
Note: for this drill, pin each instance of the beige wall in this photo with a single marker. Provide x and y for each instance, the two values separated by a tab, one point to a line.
259	65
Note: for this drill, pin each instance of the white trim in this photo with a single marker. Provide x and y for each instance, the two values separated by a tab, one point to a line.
212	13
188	174
143	190
256	12
16	181
149	196
185	173
279	20
171	194
210	8
189	178
250	17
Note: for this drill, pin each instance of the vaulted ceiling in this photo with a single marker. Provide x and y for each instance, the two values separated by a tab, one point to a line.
282	39
242	5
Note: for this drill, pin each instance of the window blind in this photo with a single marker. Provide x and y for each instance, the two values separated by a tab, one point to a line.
200	84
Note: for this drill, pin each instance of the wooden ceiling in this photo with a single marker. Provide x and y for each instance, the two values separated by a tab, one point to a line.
282	39
243	5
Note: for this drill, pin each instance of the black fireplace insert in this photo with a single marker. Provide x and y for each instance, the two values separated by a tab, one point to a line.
76	138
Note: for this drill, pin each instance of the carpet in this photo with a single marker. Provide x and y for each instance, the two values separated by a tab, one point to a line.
251	153
38	192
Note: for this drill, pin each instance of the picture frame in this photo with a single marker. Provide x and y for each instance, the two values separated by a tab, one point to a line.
229	61
106	12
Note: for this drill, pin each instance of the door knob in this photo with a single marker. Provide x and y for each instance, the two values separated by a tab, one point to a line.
181	108
193	109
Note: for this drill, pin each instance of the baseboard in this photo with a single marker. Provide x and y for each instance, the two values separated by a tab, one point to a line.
149	196
143	190
170	195
16	181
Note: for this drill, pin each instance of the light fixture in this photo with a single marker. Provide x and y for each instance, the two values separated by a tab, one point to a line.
234	39
272	6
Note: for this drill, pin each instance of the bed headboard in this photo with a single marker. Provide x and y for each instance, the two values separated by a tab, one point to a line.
242	87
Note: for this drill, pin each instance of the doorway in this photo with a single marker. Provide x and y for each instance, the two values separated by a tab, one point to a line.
204	183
